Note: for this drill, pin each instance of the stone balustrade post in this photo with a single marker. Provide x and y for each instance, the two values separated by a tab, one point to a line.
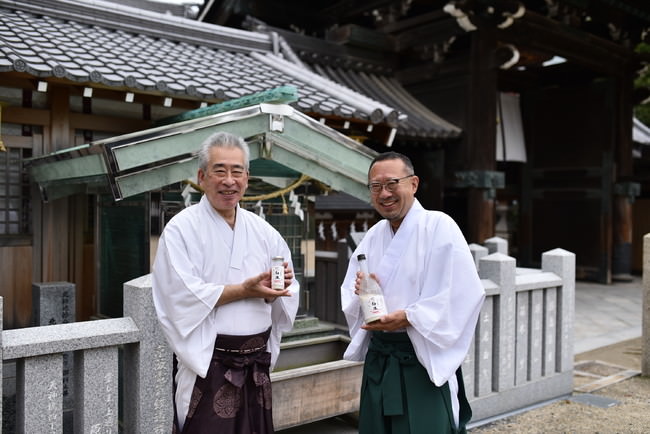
563	263
148	381
500	269
54	303
497	245
645	332
478	252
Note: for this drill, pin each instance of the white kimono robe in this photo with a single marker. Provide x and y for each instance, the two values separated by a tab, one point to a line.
199	253
426	269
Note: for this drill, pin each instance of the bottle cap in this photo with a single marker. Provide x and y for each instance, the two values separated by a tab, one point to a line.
361	257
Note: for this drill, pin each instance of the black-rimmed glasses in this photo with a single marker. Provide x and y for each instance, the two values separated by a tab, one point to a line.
390	185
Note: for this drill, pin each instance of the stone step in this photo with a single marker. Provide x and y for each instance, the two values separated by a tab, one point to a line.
310	327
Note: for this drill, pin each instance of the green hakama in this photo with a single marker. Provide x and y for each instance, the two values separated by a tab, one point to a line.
397	395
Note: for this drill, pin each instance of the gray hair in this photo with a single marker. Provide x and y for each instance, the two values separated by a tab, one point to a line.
222	140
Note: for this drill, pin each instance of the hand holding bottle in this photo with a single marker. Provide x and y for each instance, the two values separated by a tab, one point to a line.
371	296
394	321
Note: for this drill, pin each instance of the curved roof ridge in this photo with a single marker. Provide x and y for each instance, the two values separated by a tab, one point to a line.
421	122
378	110
411	102
143	22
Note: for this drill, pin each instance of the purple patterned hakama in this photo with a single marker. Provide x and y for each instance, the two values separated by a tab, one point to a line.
235	396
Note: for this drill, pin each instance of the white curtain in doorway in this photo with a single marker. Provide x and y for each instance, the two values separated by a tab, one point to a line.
510	130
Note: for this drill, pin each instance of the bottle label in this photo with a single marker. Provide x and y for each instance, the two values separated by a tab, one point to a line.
373	307
277	277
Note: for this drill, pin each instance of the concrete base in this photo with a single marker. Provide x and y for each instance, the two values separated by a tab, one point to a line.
526	395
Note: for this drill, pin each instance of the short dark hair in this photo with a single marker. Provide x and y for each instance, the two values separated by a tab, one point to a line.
394	156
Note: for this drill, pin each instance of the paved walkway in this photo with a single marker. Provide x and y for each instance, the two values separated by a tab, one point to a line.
607	314
604	315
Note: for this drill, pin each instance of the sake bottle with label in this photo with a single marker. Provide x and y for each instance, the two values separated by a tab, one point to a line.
277	273
371	296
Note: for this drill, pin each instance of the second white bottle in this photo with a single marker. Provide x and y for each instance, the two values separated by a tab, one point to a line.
371	296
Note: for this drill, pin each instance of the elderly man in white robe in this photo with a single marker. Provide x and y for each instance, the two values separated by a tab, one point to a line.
213	297
411	381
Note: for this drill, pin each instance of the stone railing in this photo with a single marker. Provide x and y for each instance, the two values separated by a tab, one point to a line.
645	348
144	392
522	355
523	346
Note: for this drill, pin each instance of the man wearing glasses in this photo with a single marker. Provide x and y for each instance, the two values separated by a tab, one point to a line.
412	382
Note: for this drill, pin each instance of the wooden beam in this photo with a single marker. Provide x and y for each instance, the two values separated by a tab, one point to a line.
458	66
18	141
344	9
26	116
111	124
81	121
352	34
416	21
428	34
18	80
547	35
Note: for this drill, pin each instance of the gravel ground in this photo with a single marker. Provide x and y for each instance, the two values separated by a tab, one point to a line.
630	415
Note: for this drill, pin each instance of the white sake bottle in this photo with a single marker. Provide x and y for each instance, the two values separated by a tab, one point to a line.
373	305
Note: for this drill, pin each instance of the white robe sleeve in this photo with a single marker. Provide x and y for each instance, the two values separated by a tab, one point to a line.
351	307
444	317
184	301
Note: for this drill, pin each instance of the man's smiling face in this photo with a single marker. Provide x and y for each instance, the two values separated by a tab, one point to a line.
225	179
393	205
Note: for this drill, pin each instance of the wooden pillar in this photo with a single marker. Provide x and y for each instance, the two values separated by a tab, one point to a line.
54	216
624	194
623	110
481	133
624	190
429	166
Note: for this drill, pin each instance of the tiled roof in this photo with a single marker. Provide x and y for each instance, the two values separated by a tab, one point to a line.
368	76
91	41
420	121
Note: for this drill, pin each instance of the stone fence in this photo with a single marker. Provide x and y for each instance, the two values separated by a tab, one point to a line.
522	355
103	380
522	352
645	347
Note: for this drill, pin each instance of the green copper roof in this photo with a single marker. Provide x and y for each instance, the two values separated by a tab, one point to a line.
283	142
